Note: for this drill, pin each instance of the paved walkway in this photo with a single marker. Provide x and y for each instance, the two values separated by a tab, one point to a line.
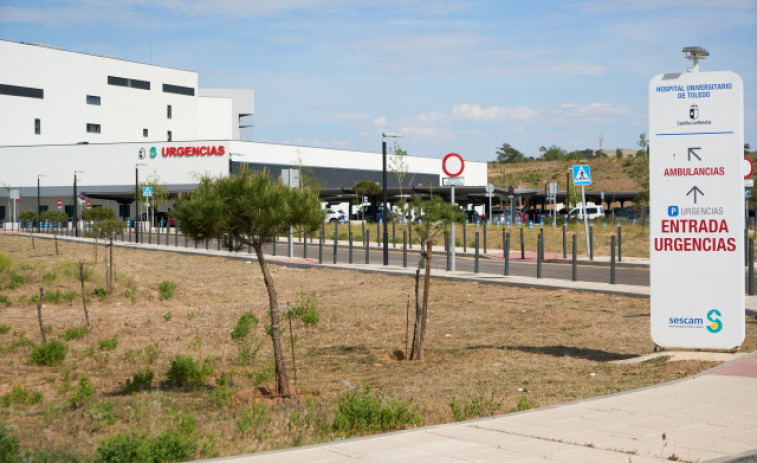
711	416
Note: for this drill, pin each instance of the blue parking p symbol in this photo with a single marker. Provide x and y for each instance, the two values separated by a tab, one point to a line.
672	211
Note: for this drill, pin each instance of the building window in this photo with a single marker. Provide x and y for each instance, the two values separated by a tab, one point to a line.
144	133
125	82
37	127
93	100
93	128
170	136
15	90
178	89
169	111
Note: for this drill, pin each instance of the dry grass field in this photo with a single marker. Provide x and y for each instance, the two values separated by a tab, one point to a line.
490	349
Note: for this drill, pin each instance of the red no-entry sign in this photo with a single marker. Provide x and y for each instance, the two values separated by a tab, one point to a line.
453	165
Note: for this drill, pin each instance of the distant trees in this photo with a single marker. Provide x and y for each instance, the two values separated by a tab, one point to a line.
643	144
507	154
554	153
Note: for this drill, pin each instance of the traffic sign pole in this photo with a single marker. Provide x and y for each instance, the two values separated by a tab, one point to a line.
453	165
586	220
452	234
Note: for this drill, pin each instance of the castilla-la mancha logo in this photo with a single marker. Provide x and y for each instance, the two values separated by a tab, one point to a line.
694	112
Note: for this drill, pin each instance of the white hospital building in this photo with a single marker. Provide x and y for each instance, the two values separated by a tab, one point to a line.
101	120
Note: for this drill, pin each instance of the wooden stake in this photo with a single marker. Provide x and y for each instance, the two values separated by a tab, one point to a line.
39	314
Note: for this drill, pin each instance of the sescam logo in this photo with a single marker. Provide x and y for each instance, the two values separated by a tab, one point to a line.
716	325
685	322
153	153
713	316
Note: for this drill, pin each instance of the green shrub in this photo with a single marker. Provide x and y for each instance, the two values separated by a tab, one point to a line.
10	445
76	333
168	446
167	316
253	421
50	353
71	270
99	293
4	329
6	262
523	404
477	406
108	343
102	413
361	411
4	300
131	294
140	381
22	341
20	396
247	322
152	352
185	370
166	289
13	280
49	277
248	350
83	393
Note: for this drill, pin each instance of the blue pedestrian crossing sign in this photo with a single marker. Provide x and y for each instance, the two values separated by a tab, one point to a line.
581	175
147	191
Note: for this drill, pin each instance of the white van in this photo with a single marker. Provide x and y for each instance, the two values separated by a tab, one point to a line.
592	212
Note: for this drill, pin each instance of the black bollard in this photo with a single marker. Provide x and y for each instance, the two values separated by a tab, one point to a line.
522	245
404	248
506	251
612	260
367	246
321	239
335	241
591	240
574	263
475	270
620	244
304	245
564	242
350	245
485	236
539	255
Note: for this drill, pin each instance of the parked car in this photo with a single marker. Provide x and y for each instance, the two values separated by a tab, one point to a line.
592	213
371	213
333	216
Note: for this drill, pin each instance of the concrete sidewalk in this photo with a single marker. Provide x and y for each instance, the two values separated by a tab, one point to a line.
712	415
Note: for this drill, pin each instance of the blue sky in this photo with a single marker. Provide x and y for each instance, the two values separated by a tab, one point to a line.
457	75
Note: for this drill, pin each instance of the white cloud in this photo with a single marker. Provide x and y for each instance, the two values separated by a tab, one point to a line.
591	110
492	113
380	121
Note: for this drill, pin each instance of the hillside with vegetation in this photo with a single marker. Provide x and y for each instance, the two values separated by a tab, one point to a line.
607	174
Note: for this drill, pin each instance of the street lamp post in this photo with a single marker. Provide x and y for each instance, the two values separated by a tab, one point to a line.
384	214
76	204
136	200
38	204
